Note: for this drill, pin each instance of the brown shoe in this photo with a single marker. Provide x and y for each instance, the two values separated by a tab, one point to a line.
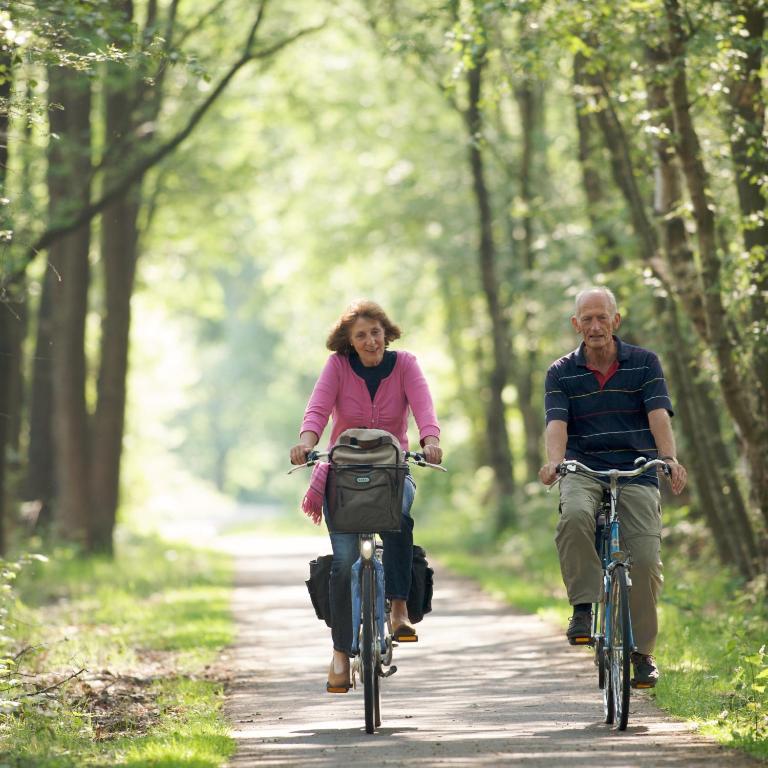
338	682
405	633
646	672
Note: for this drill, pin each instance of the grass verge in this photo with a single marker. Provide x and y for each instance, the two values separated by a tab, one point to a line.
137	635
713	627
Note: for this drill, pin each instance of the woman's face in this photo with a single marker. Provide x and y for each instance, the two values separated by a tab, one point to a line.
367	339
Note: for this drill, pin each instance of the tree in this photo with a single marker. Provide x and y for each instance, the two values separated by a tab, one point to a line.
69	169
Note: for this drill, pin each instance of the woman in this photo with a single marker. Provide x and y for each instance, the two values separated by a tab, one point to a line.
363	384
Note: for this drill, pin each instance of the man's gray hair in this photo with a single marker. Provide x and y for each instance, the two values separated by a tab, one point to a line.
607	292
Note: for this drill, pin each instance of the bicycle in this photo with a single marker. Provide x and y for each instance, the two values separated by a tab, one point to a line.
612	635
372	641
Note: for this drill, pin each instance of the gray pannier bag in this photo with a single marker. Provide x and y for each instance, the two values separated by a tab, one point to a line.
365	483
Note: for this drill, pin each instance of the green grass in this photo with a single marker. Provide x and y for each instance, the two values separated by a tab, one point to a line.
712	625
153	618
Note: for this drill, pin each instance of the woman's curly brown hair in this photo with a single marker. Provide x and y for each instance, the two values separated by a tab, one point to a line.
338	339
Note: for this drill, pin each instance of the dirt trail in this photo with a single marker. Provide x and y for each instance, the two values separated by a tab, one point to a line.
484	686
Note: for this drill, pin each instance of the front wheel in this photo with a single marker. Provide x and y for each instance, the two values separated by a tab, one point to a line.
602	660
620	646
368	649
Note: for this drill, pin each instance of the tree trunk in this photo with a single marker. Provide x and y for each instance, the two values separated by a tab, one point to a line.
7	334
529	102
744	392
590	161
716	485
499	452
749	153
126	108
119	240
713	468
69	168
40	485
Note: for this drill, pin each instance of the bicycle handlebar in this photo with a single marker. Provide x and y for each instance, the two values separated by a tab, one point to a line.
419	459
572	465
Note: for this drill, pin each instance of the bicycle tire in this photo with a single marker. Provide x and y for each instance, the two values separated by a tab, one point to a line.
598	637
621	647
368	648
603	664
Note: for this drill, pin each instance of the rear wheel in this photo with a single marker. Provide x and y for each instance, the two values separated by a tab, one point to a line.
368	649
621	647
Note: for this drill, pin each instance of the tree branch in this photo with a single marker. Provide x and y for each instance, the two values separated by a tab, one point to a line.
54	686
116	190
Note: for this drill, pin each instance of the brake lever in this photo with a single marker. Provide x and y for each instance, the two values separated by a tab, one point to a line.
312	458
561	473
556	482
301	466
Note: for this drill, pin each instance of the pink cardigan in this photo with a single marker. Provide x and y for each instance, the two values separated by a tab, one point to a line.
341	393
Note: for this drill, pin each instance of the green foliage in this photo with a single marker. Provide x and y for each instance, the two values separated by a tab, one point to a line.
712	653
146	623
12	691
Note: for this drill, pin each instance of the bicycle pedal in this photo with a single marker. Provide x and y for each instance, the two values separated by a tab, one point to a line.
580	641
389	672
642	686
337	689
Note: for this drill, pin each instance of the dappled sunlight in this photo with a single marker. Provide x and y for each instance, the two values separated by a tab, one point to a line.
484	686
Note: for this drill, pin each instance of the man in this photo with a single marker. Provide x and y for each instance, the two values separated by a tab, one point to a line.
606	404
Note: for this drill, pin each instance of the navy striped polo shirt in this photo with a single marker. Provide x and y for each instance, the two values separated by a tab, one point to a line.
608	424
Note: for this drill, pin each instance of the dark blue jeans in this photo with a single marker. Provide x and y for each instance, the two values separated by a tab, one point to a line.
398	559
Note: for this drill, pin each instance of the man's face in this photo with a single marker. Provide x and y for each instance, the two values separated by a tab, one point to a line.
596	321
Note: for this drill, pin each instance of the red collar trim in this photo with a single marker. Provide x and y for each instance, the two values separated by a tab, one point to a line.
602	378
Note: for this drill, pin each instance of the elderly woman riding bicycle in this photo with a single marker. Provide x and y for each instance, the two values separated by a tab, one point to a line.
364	384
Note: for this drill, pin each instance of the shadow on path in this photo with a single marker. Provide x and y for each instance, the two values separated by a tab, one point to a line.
484	686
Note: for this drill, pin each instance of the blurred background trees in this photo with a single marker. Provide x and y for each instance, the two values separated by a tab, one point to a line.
191	195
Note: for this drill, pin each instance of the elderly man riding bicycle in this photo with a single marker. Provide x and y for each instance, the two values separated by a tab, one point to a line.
606	405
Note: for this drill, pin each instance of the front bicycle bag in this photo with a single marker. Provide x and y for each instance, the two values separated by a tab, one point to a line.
364	490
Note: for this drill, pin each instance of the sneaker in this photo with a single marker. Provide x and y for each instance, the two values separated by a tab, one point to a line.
646	672
579	630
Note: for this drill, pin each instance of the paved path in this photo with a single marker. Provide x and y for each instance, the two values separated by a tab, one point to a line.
483	687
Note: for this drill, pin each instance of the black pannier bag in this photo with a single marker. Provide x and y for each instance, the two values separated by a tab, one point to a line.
318	585
419	600
365	482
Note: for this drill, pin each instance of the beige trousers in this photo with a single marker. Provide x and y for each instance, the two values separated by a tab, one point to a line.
640	516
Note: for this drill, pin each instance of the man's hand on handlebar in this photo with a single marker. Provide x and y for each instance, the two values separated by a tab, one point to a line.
678	476
548	473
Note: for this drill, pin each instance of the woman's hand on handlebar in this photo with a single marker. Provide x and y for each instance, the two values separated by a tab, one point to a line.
308	440
299	453
432	451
